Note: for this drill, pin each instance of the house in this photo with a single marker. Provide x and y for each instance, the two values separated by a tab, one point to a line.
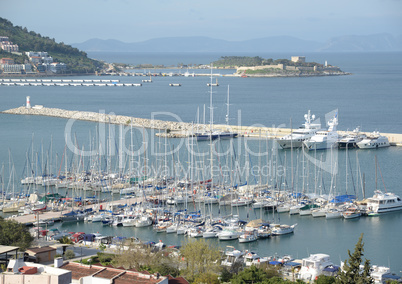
98	274
22	272
7	61
42	254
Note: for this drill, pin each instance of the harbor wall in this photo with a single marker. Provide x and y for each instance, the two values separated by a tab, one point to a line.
175	129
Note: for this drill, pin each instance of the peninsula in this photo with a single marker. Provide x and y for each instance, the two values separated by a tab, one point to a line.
260	67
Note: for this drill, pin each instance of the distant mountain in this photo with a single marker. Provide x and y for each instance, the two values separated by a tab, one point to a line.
200	44
352	43
376	42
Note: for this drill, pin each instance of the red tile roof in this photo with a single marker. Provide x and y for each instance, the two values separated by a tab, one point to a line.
79	270
120	276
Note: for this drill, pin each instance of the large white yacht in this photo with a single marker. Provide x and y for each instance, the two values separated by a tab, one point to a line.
351	140
375	140
384	202
314	265
296	138
324	139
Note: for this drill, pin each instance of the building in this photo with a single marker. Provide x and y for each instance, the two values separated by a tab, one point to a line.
42	254
98	274
7	45
57	68
22	272
36	53
298	59
16	68
39	57
7	61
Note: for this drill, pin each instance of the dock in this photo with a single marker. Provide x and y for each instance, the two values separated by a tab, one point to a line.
31	219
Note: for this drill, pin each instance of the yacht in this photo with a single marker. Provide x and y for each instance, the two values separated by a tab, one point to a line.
214	135
228	234
351	212
251	258
351	140
248	236
313	266
333	213
297	137
282	229
324	139
232	256
384	202
375	140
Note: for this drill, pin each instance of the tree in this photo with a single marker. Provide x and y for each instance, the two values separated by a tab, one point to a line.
323	279
13	233
69	254
351	272
252	274
206	278
200	257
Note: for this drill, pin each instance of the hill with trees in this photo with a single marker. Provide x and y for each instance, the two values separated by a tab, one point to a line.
76	60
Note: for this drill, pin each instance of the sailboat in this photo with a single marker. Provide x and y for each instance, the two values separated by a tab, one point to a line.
216	134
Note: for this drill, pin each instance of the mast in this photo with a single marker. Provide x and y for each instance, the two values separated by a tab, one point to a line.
227	110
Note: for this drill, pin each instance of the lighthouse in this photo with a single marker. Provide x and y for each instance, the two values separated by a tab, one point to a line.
28	105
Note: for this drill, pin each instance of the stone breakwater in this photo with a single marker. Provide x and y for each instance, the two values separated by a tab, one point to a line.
173	129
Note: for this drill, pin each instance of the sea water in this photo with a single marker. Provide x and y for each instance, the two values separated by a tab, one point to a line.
369	98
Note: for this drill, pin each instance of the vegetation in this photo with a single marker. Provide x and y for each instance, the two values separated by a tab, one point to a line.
13	233
65	240
200	257
351	272
246	61
76	60
69	254
144	258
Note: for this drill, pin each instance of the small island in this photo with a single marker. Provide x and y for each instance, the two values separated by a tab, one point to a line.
260	67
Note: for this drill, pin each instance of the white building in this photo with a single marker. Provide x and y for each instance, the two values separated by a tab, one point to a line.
22	272
301	59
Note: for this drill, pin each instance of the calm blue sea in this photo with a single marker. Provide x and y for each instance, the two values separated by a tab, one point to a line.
369	98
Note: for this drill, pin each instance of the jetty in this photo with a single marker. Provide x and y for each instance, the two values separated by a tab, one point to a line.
31	219
171	129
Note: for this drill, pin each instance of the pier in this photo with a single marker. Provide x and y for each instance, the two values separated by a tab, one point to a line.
172	129
31	219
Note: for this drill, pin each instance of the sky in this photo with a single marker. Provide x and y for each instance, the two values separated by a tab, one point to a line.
75	21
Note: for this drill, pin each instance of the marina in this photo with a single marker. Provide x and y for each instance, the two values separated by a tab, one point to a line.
309	234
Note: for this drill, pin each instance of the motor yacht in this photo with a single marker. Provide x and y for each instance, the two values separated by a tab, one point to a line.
298	136
278	229
384	202
351	140
314	265
375	140
324	139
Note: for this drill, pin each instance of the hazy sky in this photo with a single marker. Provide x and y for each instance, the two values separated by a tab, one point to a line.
75	21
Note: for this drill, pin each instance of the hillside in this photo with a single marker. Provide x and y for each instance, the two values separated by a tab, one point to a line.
76	60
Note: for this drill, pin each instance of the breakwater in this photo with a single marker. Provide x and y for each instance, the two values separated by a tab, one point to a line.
172	129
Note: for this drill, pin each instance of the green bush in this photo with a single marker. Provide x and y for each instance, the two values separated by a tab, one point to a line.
69	254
